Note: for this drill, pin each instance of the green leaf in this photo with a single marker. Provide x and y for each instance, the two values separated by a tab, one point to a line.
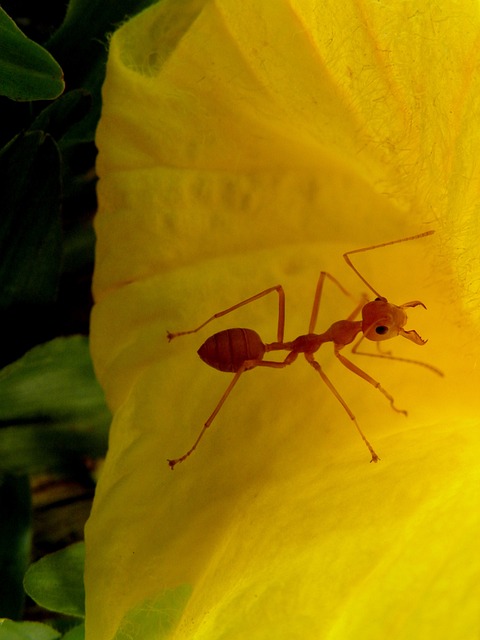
30	235
77	633
52	409
30	241
54	381
15	540
10	630
55	582
27	70
78	248
59	116
155	618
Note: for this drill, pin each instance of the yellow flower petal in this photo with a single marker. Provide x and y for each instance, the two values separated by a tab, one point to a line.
265	140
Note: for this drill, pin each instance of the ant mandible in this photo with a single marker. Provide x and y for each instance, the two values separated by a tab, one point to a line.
239	350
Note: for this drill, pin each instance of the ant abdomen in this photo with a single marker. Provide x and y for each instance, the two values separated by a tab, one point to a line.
228	350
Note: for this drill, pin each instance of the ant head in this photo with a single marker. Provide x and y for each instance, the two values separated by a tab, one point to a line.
382	320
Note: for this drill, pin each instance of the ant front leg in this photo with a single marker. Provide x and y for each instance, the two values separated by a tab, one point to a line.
281	313
360	372
318	296
388	356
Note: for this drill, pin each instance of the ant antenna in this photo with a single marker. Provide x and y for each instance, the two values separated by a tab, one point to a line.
378	246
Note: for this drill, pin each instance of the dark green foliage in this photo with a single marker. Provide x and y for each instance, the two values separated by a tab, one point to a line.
53	416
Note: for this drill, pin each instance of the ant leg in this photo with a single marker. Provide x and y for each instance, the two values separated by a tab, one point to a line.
311	360
387	355
318	296
247	365
292	356
281	313
379	246
359	372
212	417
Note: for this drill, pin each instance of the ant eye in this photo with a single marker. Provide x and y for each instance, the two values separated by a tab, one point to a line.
381	330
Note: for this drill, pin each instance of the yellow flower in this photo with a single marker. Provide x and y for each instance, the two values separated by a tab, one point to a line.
244	145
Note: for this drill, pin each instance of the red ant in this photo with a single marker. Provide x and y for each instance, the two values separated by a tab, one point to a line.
238	350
